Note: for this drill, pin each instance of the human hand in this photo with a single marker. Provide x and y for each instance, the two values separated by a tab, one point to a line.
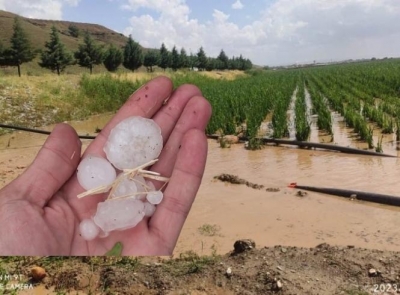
40	212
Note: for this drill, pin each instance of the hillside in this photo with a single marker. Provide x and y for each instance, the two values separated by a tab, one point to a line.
39	31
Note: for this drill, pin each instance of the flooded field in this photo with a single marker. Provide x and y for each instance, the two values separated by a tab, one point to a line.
270	218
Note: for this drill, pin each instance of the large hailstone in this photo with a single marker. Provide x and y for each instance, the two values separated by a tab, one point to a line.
119	214
133	142
94	171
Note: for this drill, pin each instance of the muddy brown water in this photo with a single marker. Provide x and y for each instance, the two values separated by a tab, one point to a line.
270	218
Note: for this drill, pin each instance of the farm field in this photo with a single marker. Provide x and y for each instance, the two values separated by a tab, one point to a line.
354	105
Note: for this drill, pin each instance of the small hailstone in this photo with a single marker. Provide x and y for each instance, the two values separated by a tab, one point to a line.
133	142
88	229
149	209
119	214
154	197
130	187
94	171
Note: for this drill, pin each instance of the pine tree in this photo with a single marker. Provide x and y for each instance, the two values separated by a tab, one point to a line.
201	59
224	60
184	60
133	56
113	58
89	54
175	61
164	57
55	57
21	50
151	59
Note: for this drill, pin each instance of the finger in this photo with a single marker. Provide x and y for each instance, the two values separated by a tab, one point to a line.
144	102
196	115
167	221
53	166
169	114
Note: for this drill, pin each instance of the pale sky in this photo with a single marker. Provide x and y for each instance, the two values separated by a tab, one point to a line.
269	32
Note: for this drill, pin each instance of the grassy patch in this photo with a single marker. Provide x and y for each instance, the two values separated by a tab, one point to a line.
209	230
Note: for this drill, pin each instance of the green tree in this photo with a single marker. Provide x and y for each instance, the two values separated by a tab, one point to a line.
21	50
55	57
201	59
184	60
224	60
151	59
192	61
133	56
164	57
73	31
89	54
175	60
113	58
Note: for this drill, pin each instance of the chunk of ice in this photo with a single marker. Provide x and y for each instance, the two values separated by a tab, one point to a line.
154	197
94	171
119	214
130	187
88	229
133	142
149	209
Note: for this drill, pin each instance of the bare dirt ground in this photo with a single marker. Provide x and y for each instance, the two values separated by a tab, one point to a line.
274	270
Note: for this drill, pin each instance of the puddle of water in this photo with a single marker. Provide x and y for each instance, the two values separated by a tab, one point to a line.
270	218
282	218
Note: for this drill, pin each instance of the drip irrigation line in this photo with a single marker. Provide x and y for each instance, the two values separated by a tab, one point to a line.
359	195
264	140
307	144
39	131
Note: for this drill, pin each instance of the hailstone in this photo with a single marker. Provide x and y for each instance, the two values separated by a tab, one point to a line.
133	142
94	171
119	214
154	197
130	187
88	229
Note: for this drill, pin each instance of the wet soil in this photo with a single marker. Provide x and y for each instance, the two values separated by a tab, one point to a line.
323	269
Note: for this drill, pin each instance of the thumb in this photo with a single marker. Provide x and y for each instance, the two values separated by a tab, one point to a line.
56	161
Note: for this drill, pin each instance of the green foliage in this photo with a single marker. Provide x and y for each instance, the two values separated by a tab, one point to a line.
133	56
89	54
151	59
303	129
165	59
106	93
183	59
202	60
175	60
113	58
73	31
20	51
224	60
55	57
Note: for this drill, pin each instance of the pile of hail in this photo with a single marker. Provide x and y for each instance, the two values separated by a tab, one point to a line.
133	145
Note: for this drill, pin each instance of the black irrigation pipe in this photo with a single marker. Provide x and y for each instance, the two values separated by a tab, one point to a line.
39	131
308	144
359	195
264	140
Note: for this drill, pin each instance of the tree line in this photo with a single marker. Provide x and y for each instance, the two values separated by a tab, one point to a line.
56	57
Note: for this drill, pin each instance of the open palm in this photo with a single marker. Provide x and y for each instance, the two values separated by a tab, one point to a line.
40	212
